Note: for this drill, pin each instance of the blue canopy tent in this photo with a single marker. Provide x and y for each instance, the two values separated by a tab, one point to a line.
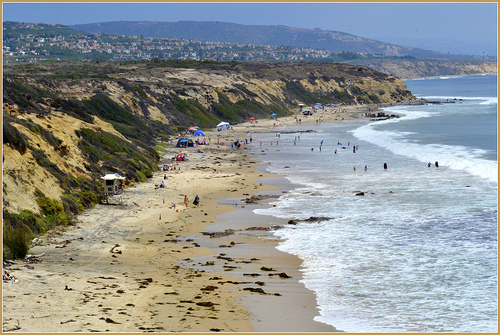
199	132
184	143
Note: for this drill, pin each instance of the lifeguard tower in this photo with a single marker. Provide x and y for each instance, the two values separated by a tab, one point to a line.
113	187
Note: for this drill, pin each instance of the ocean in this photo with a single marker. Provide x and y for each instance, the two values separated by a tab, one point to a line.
410	248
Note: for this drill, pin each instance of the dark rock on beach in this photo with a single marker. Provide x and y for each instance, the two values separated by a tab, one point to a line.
311	219
273	227
255	290
227	232
281	275
255	198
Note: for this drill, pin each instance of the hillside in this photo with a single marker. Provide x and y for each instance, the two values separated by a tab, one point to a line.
29	42
333	41
67	124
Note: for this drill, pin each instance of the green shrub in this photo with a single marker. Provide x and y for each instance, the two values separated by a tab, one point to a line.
88	198
139	90
141	177
147	172
15	242
72	204
33	222
101	105
356	90
296	90
374	98
49	206
14	138
53	210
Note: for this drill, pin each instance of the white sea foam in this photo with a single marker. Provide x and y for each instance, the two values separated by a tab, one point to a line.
453	156
489	101
417	252
459	98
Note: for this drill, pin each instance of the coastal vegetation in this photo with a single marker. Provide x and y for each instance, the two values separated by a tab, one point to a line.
66	124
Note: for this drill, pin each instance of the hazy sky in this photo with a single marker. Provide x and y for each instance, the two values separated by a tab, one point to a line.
468	28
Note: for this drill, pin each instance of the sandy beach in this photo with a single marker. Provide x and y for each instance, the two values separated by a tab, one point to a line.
149	265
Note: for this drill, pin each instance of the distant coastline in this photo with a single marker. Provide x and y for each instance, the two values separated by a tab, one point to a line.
425	69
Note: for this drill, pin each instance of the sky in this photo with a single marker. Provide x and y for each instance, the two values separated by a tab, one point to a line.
455	27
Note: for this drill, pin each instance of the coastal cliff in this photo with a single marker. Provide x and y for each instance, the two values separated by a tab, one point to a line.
421	68
67	124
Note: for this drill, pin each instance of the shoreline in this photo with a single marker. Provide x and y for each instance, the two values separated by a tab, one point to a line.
118	269
282	292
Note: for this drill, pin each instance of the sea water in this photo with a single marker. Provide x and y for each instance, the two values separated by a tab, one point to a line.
417	252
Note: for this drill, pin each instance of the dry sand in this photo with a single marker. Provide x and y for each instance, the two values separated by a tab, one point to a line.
128	268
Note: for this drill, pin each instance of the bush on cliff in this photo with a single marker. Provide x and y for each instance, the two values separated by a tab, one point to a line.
14	138
15	243
54	211
107	153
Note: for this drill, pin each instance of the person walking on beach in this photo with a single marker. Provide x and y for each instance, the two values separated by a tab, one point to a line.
186	200
196	201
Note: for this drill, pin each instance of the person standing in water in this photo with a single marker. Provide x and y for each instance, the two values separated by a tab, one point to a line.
385	166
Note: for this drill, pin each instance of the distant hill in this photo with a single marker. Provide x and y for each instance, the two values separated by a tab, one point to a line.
334	41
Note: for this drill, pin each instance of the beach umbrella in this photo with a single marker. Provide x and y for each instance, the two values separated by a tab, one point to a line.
273	114
252	118
192	128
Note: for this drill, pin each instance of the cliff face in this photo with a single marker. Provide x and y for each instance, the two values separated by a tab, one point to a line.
67	124
413	69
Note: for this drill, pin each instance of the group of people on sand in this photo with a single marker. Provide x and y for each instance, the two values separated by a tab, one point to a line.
196	200
173	168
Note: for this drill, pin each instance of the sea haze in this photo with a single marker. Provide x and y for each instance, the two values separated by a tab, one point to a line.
417	252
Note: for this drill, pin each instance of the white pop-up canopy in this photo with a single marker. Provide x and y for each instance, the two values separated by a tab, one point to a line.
223	126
